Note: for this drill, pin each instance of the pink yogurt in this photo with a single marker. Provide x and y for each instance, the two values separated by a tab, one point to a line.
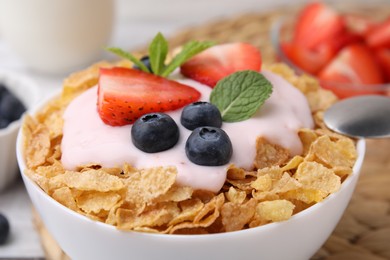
88	140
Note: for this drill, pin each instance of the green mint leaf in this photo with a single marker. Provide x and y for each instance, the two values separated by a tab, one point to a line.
158	50
126	55
189	50
239	95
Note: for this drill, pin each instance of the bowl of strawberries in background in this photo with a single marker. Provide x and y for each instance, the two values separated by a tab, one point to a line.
345	46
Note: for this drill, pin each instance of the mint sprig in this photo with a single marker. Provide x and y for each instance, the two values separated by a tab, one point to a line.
189	50
239	95
158	51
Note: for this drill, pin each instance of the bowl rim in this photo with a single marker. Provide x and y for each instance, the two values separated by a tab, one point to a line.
275	32
29	85
360	145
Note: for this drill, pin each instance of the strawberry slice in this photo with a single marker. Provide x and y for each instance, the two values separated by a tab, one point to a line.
355	64
383	58
307	60
379	36
219	61
124	95
317	23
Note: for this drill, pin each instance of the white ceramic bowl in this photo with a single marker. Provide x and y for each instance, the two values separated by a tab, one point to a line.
298	238
24	89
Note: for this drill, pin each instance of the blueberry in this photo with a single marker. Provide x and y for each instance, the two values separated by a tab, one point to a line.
4	229
200	114
11	108
154	132
146	61
3	89
209	146
3	122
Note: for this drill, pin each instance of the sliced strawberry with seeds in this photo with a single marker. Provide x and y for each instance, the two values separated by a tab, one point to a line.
355	65
219	61
124	95
317	23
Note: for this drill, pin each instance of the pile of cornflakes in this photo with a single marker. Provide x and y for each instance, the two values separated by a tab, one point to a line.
148	200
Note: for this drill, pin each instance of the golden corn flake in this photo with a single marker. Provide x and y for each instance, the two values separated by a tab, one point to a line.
204	195
234	173
55	152
264	195
268	154
315	176
293	163
65	197
112	217
307	137
286	183
90	180
95	202
189	210
210	211
41	180
148	184
275	211
37	143
51	170
155	217
235	215
187	228
262	183
176	194
332	154
275	172
51	117
342	170
128	169
244	184
235	196
304	195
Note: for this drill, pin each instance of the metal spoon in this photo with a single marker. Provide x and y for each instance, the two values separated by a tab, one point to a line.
363	117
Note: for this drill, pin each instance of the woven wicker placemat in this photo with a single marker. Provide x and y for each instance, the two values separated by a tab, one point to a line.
364	230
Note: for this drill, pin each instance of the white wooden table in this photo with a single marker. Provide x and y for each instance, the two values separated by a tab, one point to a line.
137	21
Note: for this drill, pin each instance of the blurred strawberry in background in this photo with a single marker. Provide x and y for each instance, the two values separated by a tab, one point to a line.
339	48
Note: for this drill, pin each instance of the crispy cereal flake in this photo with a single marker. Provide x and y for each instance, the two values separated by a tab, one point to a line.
332	154
235	196
149	184
313	175
90	180
262	183
275	211
235	215
95	202
269	154
189	210
65	197
36	143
